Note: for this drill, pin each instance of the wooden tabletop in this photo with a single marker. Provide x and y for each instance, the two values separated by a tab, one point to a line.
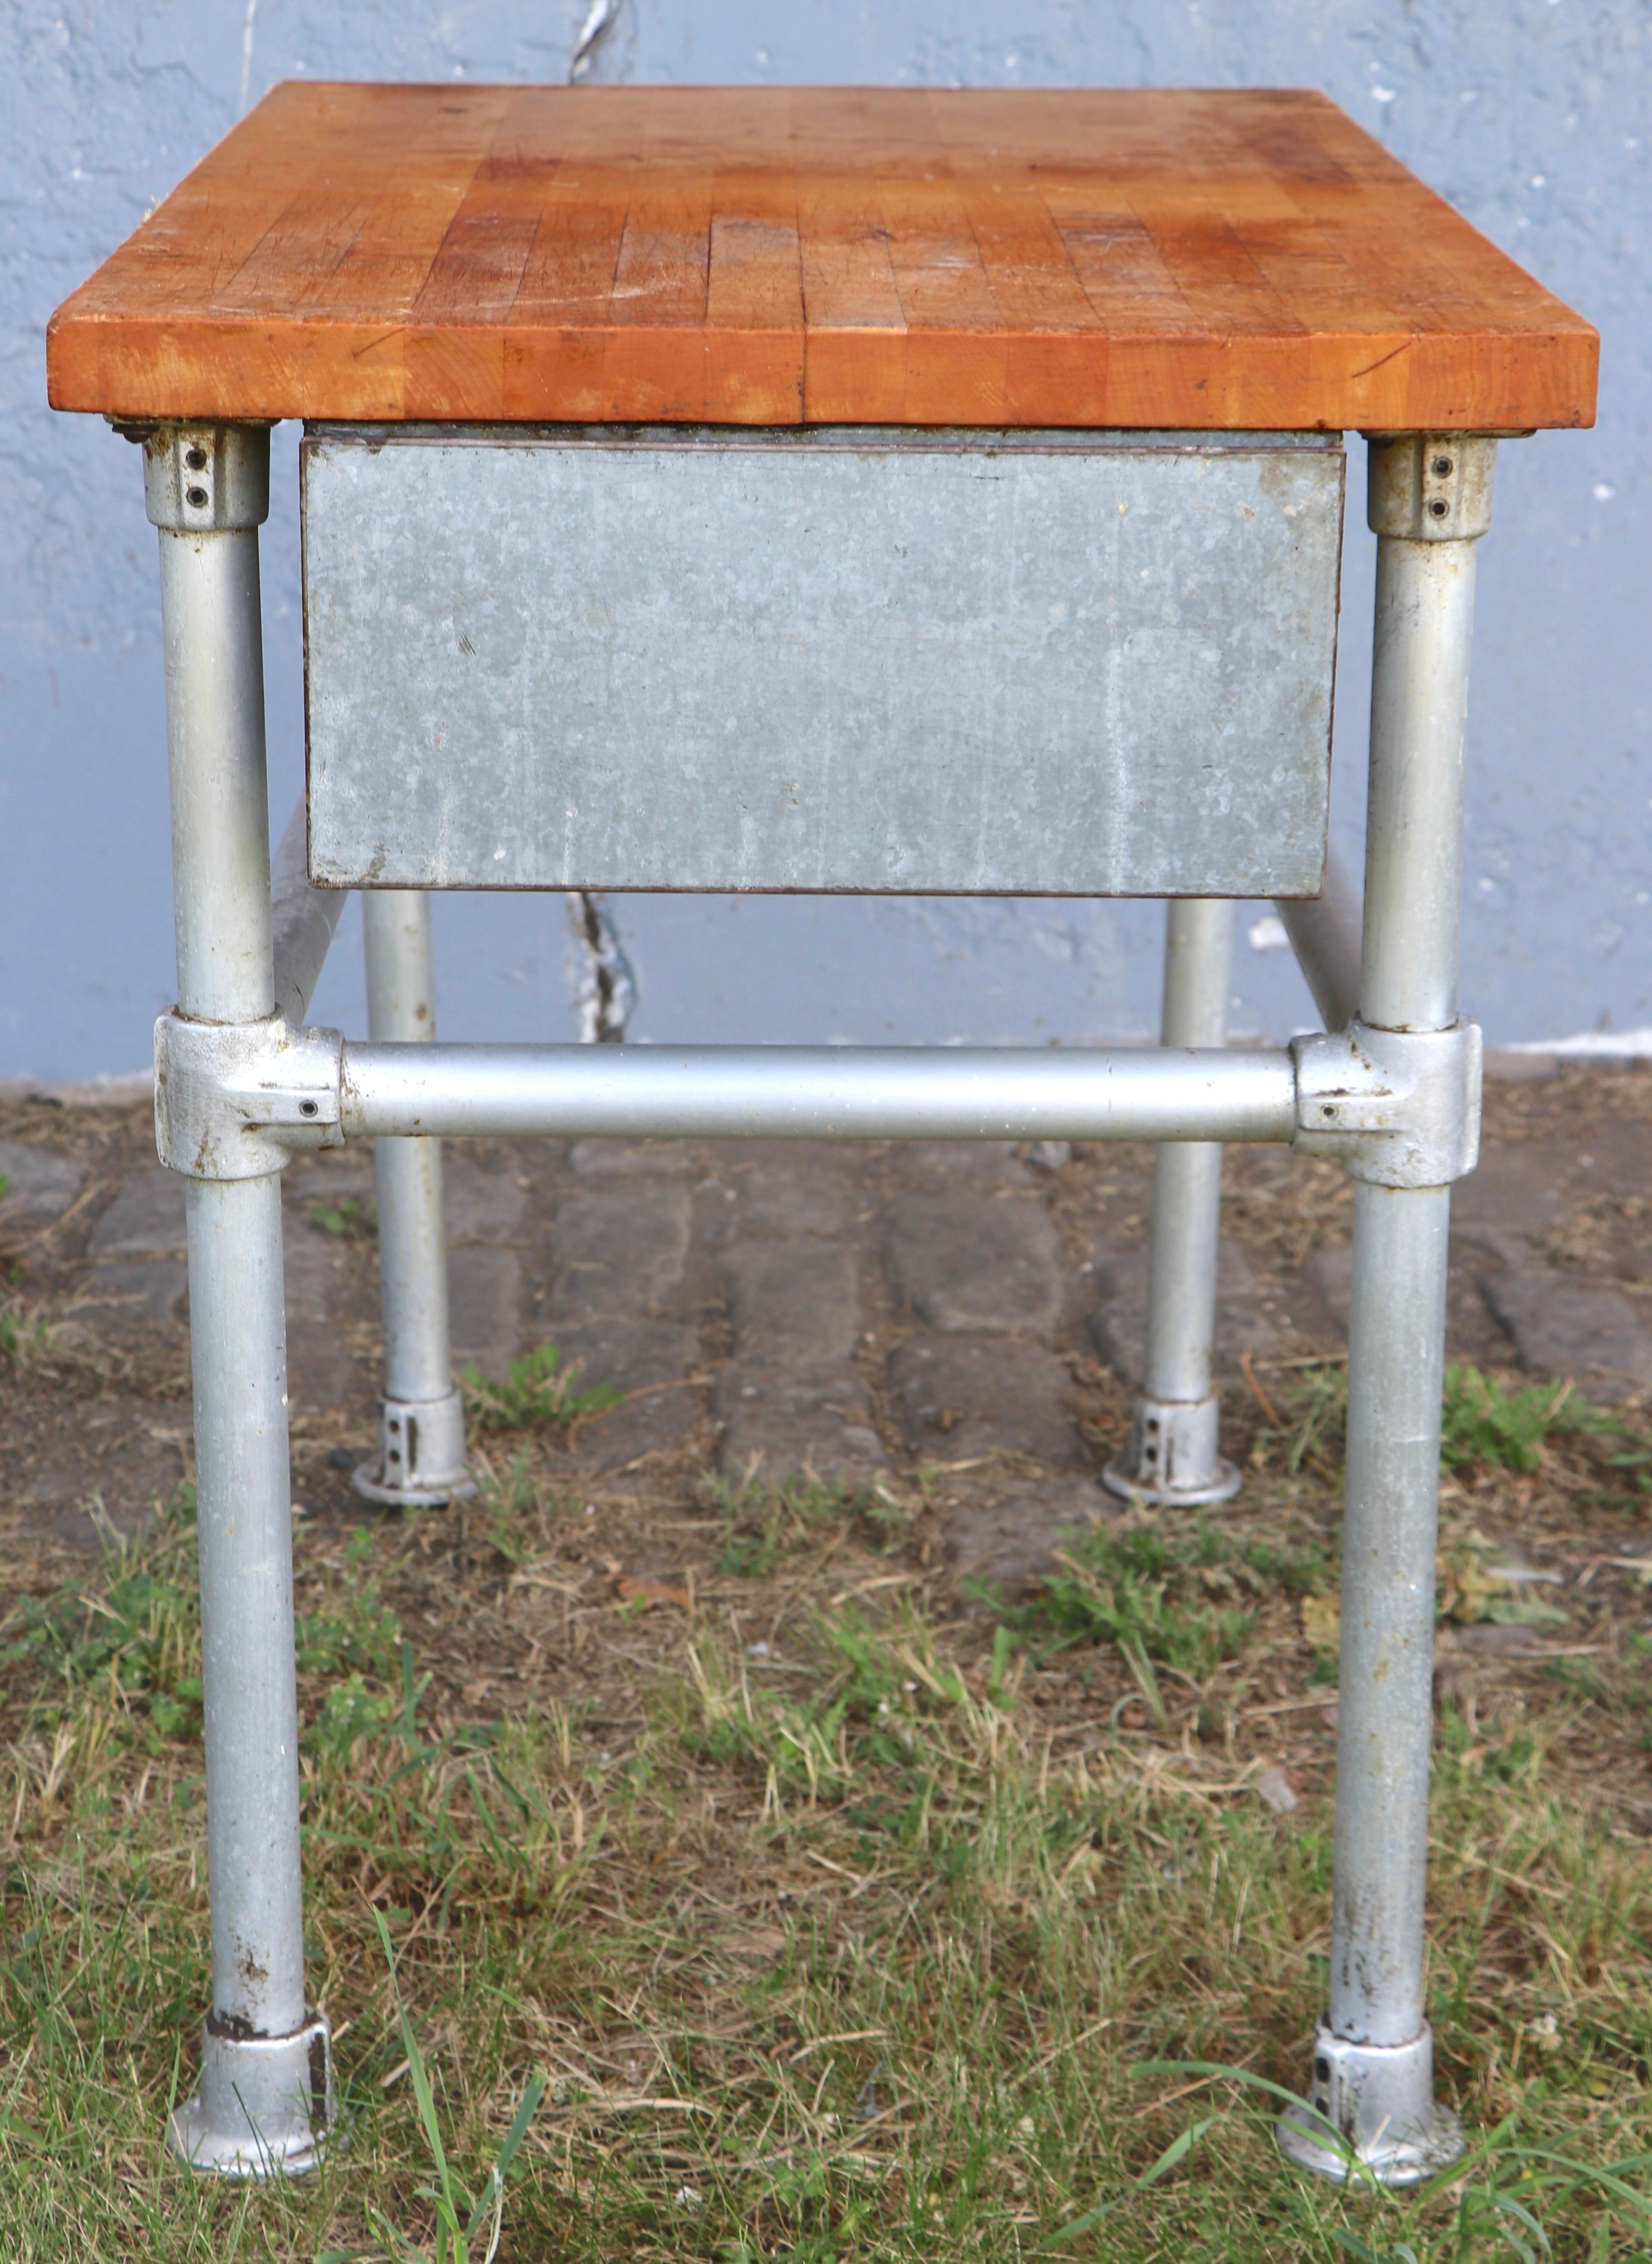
786	256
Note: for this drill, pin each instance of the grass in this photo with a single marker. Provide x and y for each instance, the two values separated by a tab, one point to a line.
537	1390
824	1922
24	1336
761	1524
1482	1422
349	1219
448	2199
1484	1425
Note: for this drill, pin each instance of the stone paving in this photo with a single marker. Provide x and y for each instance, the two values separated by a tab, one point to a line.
970	1315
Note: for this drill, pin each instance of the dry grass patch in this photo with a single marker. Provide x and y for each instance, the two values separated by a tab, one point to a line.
835	1918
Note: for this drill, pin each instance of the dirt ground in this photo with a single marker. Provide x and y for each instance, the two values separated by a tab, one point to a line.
890	1335
943	1343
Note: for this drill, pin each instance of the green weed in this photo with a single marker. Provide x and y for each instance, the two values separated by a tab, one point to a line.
350	1218
447	2196
537	1390
1312	1428
512	1499
23	1337
358	1633
1177	1603
134	1631
798	1745
1481	1423
763	1523
349	1712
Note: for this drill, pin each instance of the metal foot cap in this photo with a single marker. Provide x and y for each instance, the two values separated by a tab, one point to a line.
1379	2099
1172	1458
421	1461
264	2106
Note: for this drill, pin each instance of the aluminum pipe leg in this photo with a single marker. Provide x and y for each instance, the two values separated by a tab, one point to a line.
265	2075
265	2095
421	1459
1373	2068
1173	1456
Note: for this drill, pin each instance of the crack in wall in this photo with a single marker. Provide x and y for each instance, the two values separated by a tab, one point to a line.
599	21
606	994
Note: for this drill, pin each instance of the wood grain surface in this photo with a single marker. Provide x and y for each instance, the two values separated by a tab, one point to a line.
778	255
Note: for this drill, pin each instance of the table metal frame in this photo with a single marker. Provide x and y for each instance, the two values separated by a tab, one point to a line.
1392	1088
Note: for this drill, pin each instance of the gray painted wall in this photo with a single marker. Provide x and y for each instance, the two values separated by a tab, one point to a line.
1531	115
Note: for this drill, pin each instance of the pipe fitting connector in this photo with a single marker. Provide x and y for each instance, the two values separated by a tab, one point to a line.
1430	487
1173	1460
264	2106
206	479
1370	2114
232	1100
421	1461
1401	1108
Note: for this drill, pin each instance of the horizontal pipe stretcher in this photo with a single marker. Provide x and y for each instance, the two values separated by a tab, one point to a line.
885	1092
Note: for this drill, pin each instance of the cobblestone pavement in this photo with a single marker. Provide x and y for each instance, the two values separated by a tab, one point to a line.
972	1314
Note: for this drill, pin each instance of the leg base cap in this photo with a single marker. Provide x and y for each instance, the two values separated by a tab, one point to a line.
421	1461
264	2106
1379	2099
1172	1460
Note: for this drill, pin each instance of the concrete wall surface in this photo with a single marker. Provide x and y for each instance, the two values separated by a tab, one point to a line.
1532	116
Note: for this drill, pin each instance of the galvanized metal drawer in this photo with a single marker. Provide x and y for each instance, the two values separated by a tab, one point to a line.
1063	663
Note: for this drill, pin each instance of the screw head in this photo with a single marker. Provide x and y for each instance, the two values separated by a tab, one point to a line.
307	1108
196	498
195	459
1439	508
1442	468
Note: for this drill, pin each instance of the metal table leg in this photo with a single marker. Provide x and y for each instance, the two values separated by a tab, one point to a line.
265	2088
1173	1454
1373	2070
422	1415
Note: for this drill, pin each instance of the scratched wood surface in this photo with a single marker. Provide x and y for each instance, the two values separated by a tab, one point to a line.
776	256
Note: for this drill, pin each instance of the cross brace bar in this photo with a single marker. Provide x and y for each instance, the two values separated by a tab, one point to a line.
233	1101
829	1092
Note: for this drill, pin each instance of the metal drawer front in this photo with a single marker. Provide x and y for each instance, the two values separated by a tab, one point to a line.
1073	665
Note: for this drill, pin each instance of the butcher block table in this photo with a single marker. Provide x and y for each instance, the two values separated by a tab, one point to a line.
826	489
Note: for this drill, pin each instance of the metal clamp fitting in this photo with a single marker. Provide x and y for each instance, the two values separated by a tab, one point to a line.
206	479
1430	487
1173	1457
233	1099
421	1454
1379	2100
1401	1108
265	2105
